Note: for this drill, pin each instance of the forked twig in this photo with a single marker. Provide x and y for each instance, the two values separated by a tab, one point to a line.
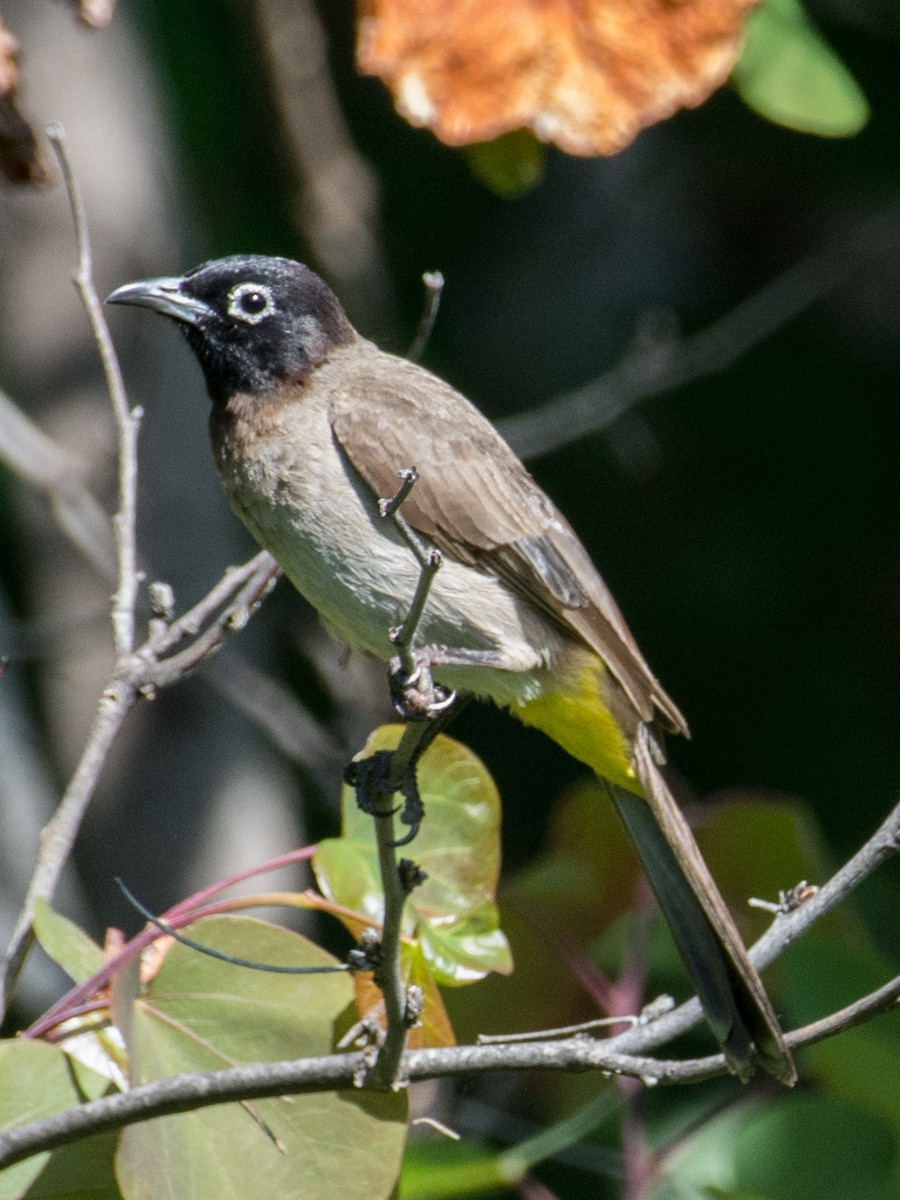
136	672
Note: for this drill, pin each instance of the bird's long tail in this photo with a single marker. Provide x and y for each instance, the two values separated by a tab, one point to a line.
728	985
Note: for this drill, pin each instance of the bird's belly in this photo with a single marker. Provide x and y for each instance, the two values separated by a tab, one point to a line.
351	564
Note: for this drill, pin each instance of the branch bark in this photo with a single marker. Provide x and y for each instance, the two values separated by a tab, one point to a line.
670	363
625	1054
183	1093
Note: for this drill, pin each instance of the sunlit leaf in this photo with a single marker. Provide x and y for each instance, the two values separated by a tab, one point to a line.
587	77
35	1081
201	1014
466	950
458	848
789	74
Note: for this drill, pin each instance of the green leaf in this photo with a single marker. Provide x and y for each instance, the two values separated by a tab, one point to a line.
35	1081
861	1065
67	944
458	847
439	1170
789	74
800	1148
466	950
202	1014
510	165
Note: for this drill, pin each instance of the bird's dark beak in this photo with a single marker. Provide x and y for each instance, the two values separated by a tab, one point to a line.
163	295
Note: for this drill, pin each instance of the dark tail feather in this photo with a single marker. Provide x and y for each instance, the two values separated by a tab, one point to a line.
727	983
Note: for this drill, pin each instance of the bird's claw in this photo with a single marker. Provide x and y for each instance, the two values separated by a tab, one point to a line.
415	695
371	779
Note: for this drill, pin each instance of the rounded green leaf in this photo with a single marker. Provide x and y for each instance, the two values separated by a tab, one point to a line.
789	74
199	1013
458	848
35	1081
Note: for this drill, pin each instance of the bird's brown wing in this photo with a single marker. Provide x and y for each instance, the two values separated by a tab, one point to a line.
477	503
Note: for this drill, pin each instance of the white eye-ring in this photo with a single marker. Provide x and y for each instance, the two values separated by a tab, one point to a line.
251	302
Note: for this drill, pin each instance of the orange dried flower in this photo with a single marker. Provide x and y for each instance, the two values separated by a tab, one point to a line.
587	75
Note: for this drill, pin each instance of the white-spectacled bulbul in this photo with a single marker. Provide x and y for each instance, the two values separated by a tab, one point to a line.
310	426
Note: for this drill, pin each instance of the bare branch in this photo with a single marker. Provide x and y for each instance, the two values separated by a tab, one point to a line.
785	929
58	836
253	582
127	419
883	1000
183	1093
624	1054
36	458
591	409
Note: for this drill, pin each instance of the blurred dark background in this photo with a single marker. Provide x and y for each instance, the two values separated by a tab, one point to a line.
747	522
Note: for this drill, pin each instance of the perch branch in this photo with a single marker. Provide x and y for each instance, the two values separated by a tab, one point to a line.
182	1093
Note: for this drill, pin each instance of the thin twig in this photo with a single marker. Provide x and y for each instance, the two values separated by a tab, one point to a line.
434	286
590	409
190	623
163	672
885	999
785	929
40	462
127	419
58	836
135	672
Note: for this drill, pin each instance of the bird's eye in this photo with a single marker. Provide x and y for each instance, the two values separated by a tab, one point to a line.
251	302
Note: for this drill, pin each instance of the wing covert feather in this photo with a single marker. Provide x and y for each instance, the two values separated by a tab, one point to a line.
464	468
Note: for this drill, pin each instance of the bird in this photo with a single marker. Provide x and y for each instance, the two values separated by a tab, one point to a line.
311	425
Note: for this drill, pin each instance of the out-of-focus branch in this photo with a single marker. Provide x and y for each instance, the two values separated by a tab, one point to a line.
134	675
39	461
337	190
158	662
658	368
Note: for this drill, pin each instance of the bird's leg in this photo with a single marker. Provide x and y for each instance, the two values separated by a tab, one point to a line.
414	694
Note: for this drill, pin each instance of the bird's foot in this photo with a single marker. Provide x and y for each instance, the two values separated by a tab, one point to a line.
414	694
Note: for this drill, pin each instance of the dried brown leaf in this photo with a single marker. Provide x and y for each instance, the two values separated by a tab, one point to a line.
20	157
587	75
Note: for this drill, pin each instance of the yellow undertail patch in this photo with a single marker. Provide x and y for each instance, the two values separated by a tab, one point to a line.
577	718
